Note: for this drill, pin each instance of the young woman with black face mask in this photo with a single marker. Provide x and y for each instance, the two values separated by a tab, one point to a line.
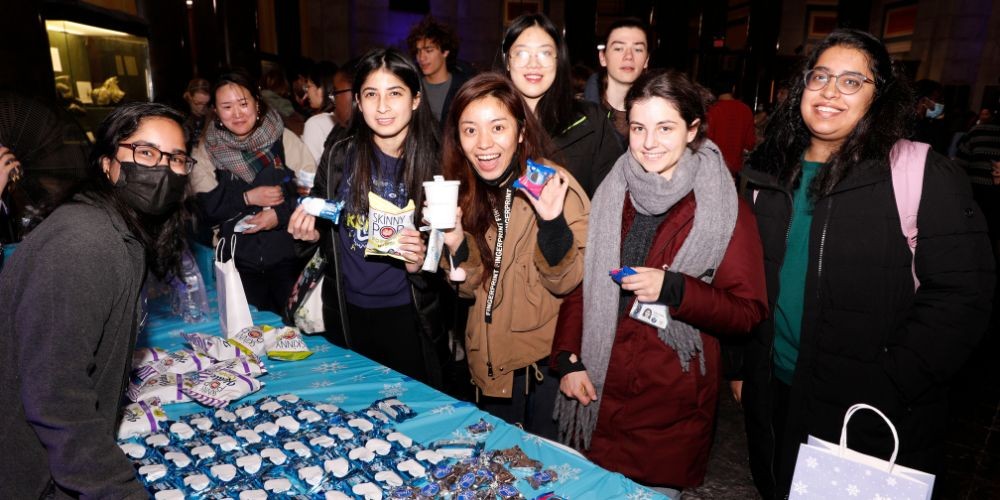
69	309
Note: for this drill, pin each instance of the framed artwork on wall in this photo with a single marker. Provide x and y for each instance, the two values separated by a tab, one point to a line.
821	20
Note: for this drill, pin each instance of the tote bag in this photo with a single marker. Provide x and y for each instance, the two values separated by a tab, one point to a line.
833	471
234	312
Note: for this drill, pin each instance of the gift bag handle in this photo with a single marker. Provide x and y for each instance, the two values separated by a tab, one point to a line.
222	244
895	436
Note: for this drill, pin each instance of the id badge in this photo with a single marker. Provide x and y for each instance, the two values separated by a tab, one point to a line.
650	313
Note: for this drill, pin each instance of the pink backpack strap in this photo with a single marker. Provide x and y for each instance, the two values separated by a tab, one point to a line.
908	160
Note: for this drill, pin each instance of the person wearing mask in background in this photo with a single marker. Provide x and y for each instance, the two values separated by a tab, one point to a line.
858	315
641	394
930	125
434	46
320	94
521	255
247	164
535	58
381	307
69	308
624	55
730	123
199	114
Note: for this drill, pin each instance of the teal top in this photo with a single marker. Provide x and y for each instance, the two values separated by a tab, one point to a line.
792	279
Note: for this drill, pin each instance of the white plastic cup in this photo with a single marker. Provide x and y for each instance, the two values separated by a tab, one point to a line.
442	202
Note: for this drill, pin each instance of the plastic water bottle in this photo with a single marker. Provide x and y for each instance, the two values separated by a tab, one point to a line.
192	303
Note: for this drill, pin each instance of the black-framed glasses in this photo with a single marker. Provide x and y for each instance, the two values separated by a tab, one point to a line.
333	94
149	156
847	83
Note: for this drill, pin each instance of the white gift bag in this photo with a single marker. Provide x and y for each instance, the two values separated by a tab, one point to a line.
830	471
234	312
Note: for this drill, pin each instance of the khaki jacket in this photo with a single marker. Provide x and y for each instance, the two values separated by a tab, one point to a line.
528	293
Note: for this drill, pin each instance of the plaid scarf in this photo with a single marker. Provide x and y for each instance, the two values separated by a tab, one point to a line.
245	158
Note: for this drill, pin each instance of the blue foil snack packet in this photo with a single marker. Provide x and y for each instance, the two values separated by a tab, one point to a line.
618	274
535	178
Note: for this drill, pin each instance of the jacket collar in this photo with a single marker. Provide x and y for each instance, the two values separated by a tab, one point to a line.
865	174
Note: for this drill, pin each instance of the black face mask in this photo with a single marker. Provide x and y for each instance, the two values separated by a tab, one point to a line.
505	178
150	190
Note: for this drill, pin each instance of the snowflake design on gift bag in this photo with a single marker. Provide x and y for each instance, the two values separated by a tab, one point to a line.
567	473
853	490
811	462
331	368
443	410
891	481
880	497
392	390
800	488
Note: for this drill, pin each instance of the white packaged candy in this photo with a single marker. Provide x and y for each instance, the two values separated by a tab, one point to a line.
182	361
249	365
214	347
165	388
216	388
286	344
251	340
147	355
140	419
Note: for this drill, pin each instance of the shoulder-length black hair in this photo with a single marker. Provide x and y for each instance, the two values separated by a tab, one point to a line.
161	236
420	148
241	78
555	109
867	146
690	99
321	76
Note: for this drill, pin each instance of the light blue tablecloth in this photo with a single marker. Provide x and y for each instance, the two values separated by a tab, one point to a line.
352	382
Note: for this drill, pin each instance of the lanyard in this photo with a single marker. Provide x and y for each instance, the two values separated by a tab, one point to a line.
498	253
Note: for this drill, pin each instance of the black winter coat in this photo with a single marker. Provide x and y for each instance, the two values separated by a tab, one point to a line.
588	147
866	336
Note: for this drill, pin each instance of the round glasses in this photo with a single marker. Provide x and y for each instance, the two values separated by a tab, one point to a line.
847	83
522	57
149	156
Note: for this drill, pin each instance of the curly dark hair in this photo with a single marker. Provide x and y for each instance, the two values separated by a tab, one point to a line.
441	34
162	236
888	119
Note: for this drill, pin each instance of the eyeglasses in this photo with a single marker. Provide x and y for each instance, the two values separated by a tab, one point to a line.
333	94
521	57
847	83
149	156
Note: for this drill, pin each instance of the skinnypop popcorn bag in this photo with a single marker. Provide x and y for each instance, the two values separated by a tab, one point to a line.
386	222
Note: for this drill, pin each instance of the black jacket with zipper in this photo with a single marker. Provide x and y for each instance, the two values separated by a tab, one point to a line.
866	336
426	289
588	147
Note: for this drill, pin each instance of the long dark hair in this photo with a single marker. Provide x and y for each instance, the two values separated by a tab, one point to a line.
555	109
477	198
420	148
887	120
161	236
690	99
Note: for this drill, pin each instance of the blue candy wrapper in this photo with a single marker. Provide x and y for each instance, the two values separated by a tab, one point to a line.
535	178
618	274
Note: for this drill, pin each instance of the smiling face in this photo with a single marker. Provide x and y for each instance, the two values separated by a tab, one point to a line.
532	63
236	108
625	55
387	105
658	135
432	60
489	136
829	114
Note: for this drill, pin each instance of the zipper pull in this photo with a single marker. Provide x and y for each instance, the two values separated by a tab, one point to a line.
489	368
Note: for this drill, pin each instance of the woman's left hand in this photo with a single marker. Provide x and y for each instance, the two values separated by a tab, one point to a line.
646	283
549	204
263	221
411	245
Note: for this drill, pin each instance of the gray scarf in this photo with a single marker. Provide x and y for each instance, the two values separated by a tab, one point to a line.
703	171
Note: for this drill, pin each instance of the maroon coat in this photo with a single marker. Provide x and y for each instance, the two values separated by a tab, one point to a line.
655	421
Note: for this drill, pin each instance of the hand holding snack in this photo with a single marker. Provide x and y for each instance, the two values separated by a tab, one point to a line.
264	196
645	283
262	221
550	201
302	226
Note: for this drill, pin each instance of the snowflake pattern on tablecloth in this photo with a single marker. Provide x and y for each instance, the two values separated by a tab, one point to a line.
528	437
443	410
320	384
566	473
332	367
463	433
336	399
357	379
640	494
800	488
811	462
275	376
853	490
383	370
321	348
392	390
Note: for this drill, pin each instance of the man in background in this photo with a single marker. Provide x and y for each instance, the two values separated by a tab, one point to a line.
435	47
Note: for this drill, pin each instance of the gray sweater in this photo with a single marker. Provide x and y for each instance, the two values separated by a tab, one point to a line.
68	299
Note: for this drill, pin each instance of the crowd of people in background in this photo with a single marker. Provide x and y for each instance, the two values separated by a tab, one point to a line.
766	247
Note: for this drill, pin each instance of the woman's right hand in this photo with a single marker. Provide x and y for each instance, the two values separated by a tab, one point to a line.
302	226
577	385
265	196
454	237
